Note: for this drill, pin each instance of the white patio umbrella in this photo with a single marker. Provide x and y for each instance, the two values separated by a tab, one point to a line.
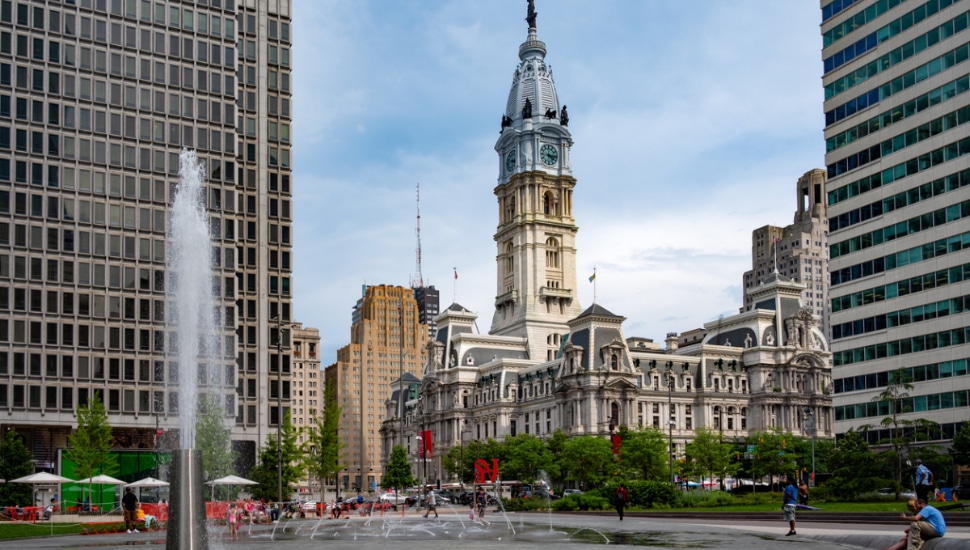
100	479
148	482
230	480
43	479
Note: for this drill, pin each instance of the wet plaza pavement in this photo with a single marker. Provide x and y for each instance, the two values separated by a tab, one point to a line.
523	531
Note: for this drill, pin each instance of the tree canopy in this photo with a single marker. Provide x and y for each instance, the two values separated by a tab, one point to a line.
89	447
398	473
709	456
323	445
644	453
212	439
267	472
587	458
15	462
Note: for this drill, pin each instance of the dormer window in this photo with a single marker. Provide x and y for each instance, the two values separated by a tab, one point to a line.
614	362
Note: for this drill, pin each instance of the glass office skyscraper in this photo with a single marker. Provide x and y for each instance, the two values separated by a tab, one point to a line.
897	104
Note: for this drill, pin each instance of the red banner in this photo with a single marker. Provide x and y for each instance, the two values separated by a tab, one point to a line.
425	444
615	438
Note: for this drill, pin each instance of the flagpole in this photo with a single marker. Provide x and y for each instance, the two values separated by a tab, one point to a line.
593	278
454	287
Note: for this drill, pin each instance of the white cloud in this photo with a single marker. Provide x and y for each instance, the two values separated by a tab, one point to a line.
692	121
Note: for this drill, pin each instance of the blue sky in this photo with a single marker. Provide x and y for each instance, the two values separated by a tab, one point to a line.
692	121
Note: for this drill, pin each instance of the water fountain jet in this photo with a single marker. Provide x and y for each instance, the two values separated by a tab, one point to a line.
191	318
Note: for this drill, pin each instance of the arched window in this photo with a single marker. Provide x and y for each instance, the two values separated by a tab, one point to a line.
546	203
509	260
552	253
614	415
614	362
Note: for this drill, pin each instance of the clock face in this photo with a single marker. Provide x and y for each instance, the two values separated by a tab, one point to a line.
549	155
510	162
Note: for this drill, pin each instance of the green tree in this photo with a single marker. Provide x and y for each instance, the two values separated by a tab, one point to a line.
212	439
854	467
89	447
961	445
644	453
525	456
15	462
891	400
775	454
322	458
267	473
556	444
398	472
708	455
586	458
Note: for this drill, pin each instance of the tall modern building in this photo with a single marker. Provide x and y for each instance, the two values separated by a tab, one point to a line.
428	299
896	78
97	99
798	251
387	339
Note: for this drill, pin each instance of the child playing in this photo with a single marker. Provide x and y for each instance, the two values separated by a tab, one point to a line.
232	519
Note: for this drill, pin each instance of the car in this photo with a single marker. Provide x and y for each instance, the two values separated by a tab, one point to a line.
890	492
309	506
393	498
418	499
568	492
468	497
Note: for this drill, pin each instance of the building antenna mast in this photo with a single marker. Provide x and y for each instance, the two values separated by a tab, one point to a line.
419	281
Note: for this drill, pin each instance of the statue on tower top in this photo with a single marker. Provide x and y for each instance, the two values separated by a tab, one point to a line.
531	16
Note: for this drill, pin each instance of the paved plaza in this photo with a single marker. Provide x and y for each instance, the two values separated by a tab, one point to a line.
524	531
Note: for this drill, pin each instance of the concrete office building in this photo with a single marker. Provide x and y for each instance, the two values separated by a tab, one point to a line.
386	340
799	251
896	78
97	99
307	398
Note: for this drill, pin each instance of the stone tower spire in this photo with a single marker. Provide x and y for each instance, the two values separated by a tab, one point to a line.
536	234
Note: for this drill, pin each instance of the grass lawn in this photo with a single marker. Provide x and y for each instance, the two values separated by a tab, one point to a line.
22	530
847	507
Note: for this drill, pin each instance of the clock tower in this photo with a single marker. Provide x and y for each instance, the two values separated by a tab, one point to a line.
536	235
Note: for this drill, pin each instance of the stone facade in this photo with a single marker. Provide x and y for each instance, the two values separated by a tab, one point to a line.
547	365
799	251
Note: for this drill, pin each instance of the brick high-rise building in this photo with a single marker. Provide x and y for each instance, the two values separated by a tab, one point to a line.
387	339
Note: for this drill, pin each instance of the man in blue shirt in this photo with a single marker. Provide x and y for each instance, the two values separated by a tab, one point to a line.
924	480
790	499
926	524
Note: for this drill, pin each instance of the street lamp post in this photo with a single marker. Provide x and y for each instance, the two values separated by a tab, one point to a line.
461	443
670	424
810	427
279	409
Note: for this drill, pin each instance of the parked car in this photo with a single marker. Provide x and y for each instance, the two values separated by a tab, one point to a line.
568	492
468	497
418	499
393	498
309	506
890	492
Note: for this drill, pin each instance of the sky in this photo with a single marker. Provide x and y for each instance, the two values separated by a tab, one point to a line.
692	120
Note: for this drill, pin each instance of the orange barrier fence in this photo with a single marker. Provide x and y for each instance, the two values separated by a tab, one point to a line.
216	510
